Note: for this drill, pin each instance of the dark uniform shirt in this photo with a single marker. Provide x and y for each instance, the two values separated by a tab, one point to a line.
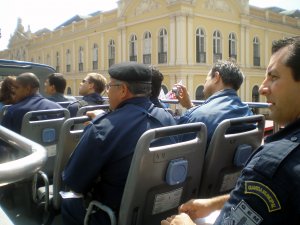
222	105
14	115
268	190
106	148
59	97
91	99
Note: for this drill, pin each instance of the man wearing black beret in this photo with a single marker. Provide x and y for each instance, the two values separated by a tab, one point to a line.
101	161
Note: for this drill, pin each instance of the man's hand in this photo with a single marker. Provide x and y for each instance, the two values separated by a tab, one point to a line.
181	219
199	208
183	96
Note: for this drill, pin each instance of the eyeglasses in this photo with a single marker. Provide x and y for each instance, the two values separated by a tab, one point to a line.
108	86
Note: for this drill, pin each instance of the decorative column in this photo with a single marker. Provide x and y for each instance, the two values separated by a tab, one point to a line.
181	44
172	36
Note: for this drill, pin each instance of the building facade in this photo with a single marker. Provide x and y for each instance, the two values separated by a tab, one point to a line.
182	38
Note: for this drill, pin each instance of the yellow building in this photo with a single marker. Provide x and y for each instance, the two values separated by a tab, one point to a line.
182	38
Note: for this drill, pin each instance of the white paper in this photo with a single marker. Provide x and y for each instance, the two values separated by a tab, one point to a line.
70	194
209	220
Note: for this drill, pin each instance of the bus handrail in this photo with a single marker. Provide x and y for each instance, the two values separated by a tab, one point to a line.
16	170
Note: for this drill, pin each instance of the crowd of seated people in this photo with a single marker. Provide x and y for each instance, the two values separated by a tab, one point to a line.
131	99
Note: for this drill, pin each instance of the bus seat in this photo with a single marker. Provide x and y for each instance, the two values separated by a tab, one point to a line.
43	127
162	177
3	112
48	195
227	154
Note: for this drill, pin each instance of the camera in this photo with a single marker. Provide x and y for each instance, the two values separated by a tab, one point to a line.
175	90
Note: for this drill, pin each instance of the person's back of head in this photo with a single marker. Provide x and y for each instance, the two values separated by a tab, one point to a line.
157	78
26	84
137	77
128	80
7	91
58	81
230	73
98	80
293	57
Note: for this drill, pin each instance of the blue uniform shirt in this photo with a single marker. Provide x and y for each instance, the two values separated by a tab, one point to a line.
222	105
106	149
14	115
268	190
91	99
59	97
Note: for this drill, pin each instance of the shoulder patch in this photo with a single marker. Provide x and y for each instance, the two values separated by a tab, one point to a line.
264	193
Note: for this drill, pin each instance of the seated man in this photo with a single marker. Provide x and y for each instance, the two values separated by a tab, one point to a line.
28	99
55	86
91	88
222	101
268	190
100	163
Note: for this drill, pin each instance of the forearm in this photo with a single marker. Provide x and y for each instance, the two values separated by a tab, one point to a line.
218	202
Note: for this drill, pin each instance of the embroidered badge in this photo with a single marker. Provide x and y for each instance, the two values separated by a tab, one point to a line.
242	214
263	192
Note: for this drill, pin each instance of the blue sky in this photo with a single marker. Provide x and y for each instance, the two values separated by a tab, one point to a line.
51	13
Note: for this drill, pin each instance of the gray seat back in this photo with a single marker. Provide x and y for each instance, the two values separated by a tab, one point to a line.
161	178
82	110
227	154
69	138
43	127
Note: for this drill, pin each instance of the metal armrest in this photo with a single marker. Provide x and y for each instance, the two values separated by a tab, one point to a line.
111	214
35	189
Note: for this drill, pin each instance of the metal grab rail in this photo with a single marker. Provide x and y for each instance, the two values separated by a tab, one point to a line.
13	171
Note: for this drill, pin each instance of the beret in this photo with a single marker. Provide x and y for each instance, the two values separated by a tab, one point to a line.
131	72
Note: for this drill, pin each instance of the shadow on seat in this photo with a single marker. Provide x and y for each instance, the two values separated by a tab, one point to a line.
227	154
48	196
160	178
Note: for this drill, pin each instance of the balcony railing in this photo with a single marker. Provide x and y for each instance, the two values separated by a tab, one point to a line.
201	57
256	61
147	59
162	57
217	56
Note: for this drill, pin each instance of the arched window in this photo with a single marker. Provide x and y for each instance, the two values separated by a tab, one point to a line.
69	91
255	97
57	62
232	46
80	59
133	48
200	46
217	47
256	51
164	88
48	59
147	48
95	57
162	46
199	93
111	53
68	57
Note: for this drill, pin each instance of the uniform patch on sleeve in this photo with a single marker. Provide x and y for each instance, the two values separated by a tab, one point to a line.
264	193
243	214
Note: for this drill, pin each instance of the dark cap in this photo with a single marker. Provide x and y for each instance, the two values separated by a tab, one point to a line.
131	72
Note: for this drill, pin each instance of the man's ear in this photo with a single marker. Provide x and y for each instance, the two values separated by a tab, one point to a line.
217	77
124	92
